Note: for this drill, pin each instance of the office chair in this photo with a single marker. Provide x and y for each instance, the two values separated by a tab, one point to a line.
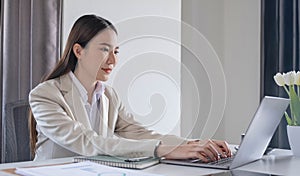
15	145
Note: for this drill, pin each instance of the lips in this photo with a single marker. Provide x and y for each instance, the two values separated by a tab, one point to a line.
107	70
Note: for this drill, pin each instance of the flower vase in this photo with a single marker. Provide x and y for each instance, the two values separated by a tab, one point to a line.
293	133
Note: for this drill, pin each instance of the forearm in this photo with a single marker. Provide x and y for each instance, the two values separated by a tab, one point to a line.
57	123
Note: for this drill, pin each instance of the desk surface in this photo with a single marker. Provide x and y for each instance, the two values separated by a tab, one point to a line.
278	162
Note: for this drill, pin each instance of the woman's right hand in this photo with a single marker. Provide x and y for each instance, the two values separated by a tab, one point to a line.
206	151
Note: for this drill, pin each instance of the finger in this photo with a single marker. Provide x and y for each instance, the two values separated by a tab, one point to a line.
215	149
209	150
203	157
227	149
210	153
223	146
205	151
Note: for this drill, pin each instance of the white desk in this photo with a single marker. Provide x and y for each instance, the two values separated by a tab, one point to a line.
278	162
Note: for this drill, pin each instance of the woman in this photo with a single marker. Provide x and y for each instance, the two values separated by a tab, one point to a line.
74	113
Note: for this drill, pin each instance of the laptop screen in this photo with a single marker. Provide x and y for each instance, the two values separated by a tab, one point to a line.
260	130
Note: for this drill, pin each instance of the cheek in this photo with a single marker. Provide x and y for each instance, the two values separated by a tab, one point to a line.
93	63
99	59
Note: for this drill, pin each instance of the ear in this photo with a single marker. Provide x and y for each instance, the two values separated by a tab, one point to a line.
77	50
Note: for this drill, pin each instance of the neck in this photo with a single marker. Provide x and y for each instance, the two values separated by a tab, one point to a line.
87	82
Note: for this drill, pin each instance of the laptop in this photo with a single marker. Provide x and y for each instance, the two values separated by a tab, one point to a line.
256	139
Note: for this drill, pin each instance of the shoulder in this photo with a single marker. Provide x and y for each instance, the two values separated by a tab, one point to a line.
47	88
111	94
46	85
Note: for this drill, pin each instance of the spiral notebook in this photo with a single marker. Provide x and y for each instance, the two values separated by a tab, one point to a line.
134	163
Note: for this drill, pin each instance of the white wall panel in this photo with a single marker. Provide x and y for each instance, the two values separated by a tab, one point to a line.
147	76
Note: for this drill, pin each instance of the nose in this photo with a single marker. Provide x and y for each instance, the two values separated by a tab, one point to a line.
112	58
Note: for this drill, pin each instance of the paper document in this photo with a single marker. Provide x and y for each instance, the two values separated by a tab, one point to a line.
79	169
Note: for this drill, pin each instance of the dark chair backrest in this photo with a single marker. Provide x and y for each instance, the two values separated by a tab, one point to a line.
15	145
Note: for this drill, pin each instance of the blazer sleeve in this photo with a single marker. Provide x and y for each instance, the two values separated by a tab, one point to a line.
56	122
127	127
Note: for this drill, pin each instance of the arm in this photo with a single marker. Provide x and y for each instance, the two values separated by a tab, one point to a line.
56	121
172	147
127	127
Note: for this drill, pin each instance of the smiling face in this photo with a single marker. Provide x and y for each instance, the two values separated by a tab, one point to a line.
98	58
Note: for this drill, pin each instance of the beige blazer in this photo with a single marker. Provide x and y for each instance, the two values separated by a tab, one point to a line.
64	129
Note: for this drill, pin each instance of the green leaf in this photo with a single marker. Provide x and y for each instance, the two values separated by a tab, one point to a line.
296	122
288	119
295	106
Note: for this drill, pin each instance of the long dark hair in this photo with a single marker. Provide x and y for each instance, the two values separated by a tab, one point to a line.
83	30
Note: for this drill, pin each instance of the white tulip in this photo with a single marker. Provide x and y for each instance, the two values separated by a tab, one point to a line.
289	78
297	78
279	79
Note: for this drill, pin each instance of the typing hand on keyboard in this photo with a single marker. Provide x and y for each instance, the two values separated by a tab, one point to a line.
215	150
206	150
220	161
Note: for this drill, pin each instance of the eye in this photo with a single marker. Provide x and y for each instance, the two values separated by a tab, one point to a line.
116	52
104	49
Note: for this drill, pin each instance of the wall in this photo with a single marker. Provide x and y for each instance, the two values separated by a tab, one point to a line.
219	69
232	29
147	77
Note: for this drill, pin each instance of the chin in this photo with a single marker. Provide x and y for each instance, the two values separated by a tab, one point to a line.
102	78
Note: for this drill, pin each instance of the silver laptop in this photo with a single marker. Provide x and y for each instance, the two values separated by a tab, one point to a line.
256	140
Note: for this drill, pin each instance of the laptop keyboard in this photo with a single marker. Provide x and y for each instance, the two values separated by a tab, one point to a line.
222	162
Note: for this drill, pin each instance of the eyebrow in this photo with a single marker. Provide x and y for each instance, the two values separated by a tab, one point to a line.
109	45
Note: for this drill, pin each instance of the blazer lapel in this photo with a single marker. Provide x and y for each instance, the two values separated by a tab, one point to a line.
104	129
74	101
